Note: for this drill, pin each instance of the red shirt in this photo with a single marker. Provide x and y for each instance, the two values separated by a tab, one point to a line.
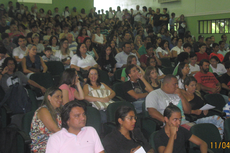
208	79
220	56
144	58
202	56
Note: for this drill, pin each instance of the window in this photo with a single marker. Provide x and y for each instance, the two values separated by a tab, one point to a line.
36	1
214	26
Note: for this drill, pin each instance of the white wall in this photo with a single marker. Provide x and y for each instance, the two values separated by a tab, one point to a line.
187	7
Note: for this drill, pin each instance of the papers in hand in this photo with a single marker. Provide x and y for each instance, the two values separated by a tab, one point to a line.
140	150
207	107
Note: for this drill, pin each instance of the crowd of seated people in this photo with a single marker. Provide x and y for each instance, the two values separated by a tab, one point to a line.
136	43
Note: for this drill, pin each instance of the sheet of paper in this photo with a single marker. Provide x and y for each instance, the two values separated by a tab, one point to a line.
207	107
140	150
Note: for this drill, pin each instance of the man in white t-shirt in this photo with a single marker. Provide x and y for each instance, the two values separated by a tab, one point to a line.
119	14
137	14
19	52
66	12
159	99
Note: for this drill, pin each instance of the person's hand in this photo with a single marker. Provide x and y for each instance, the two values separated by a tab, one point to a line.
173	131
198	112
140	76
105	100
205	112
133	150
77	82
218	88
87	68
5	70
213	90
178	92
43	90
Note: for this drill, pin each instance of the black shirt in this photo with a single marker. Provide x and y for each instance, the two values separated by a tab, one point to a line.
156	19
107	65
183	135
3	28
138	87
115	142
197	103
165	16
225	78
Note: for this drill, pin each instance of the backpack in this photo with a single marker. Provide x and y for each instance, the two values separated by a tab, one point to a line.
8	139
17	99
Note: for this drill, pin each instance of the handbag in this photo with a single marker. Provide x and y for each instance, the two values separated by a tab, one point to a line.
100	93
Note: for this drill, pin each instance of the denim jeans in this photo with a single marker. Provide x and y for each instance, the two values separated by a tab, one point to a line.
138	105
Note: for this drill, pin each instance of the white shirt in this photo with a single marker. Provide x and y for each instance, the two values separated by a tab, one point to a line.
119	15
121	59
58	54
65	14
138	17
99	39
194	68
220	69
177	49
84	62
160	50
222	52
19	52
180	82
110	15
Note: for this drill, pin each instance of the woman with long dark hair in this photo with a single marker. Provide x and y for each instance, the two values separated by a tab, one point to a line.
46	120
90	50
107	61
68	84
125	137
183	71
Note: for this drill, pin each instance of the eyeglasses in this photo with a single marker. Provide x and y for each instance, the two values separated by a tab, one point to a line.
131	118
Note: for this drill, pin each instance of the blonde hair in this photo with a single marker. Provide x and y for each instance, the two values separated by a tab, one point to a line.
29	47
135	40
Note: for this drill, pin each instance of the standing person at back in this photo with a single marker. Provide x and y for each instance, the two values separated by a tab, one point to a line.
165	18
156	21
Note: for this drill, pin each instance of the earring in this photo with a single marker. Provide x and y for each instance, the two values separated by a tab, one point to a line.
186	89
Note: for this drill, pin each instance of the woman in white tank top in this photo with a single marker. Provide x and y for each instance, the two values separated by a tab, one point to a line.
98	38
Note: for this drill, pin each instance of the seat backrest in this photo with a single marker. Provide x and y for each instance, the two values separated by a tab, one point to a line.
117	74
26	121
208	133
111	109
215	100
104	77
33	99
151	141
227	129
93	118
145	113
165	62
167	70
117	88
43	79
55	67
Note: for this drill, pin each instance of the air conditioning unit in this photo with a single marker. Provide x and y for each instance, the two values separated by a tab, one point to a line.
167	1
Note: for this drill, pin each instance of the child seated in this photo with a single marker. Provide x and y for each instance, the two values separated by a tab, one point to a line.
49	55
202	54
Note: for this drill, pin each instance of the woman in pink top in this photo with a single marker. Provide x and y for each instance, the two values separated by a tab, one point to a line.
68	83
